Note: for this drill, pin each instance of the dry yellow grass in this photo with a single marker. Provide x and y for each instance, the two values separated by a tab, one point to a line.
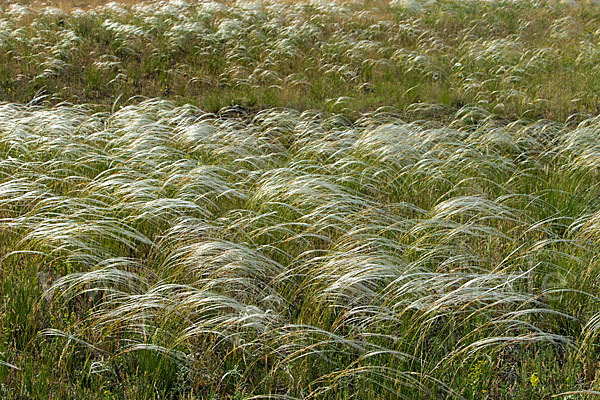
68	5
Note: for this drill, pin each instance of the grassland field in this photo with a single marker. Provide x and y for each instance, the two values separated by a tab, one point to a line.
355	199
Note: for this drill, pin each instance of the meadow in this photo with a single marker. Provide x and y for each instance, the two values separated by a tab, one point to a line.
300	200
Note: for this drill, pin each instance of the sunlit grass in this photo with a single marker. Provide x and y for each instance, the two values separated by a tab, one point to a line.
295	254
535	59
299	200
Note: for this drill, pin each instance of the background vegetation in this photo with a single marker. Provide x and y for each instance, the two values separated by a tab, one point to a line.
515	59
300	201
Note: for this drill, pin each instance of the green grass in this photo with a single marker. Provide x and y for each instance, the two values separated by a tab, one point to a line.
300	201
534	59
162	252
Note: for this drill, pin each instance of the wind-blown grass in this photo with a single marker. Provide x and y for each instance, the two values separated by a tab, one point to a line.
299	200
534	58
295	254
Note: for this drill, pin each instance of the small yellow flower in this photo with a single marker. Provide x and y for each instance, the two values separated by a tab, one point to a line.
476	372
535	379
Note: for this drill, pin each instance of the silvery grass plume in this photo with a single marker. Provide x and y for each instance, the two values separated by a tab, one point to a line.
317	254
300	49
